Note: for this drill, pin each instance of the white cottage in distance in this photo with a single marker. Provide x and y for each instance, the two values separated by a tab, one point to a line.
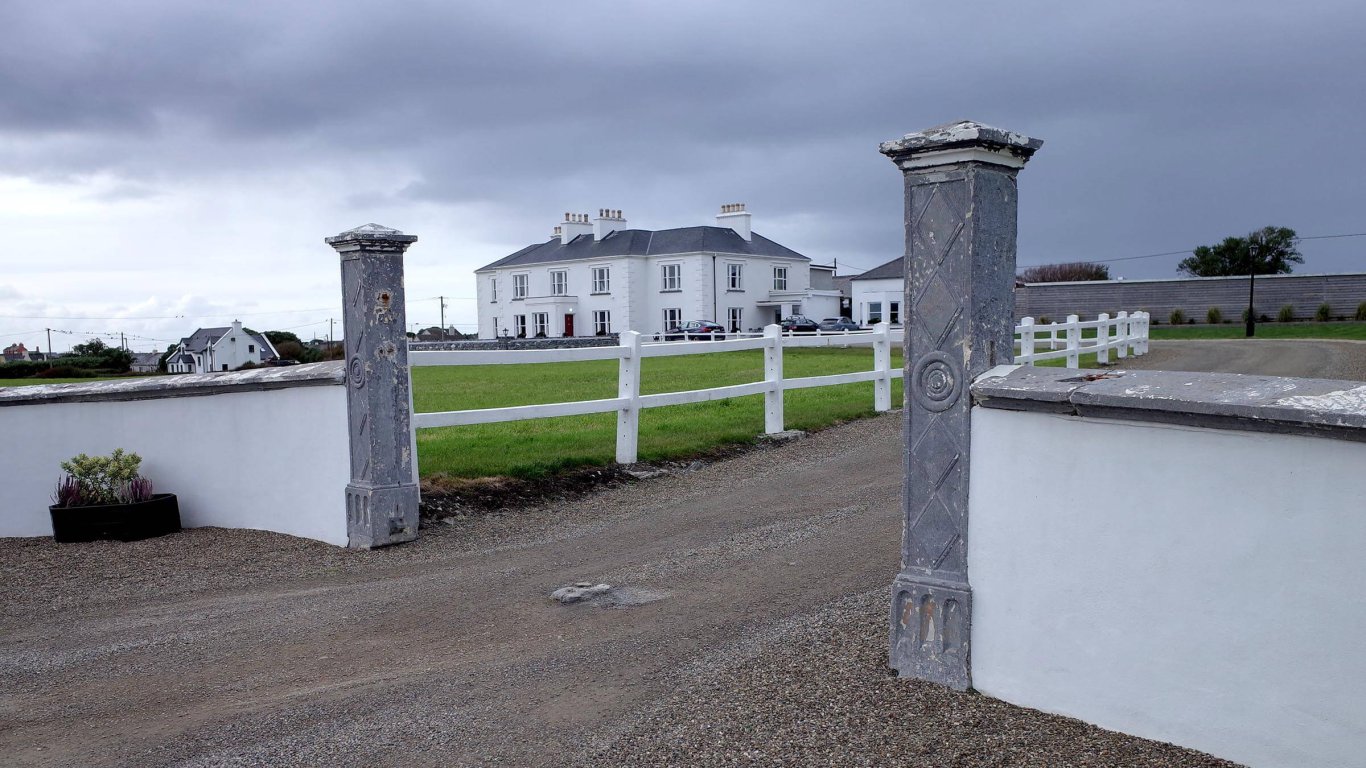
600	277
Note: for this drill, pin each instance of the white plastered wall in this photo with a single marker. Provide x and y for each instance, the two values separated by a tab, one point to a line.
1197	586
275	460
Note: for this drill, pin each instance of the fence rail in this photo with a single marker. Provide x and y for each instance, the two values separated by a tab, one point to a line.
629	401
1126	334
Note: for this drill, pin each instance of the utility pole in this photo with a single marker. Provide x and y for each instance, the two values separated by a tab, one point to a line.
49	342
329	333
1251	287
443	317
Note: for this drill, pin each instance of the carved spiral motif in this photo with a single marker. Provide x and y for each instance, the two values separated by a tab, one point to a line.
356	373
936	382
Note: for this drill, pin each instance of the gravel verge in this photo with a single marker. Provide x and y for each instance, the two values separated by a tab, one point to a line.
816	690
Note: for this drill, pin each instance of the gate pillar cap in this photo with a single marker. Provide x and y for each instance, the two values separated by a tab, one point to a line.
371	237
962	141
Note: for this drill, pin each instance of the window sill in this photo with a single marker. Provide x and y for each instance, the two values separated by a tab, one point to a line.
671	290
518	298
600	293
735	290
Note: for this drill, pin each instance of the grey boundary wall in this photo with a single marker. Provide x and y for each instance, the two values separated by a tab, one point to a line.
481	345
1194	296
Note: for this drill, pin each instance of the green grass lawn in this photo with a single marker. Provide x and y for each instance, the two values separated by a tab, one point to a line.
538	447
1339	330
33	382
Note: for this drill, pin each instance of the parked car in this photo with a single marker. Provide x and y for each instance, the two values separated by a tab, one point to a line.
799	323
696	330
838	324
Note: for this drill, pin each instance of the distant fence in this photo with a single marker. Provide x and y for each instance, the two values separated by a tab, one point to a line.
629	401
1126	334
1195	296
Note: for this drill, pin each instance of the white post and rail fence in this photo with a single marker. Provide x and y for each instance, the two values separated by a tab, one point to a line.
1126	334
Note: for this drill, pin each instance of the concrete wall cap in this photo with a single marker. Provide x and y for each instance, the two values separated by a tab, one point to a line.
178	385
1322	407
964	133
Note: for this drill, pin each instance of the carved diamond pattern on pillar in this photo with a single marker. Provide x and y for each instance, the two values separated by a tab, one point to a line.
960	241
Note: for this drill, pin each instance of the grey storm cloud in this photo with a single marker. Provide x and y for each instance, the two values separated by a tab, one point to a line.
1167	124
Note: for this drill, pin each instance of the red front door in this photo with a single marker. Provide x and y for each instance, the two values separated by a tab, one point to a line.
569	325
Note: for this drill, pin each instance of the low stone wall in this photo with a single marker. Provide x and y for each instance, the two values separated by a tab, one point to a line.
572	342
1193	296
265	448
1174	555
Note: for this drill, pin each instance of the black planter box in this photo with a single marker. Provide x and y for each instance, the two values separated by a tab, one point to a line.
157	516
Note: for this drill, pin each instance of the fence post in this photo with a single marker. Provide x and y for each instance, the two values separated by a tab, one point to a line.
1073	342
960	224
882	363
1144	330
1103	339
1026	341
628	386
773	374
382	497
1123	330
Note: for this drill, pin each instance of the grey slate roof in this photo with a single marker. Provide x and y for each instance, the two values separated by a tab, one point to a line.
892	268
643	242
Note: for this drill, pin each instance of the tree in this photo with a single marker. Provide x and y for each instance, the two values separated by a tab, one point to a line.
280	337
93	348
1065	273
1268	251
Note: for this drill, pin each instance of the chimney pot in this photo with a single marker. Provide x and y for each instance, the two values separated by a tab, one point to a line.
734	216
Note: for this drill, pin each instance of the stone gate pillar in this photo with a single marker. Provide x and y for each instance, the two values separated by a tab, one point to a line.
960	281
382	497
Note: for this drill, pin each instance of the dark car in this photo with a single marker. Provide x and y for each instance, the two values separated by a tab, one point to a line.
838	324
696	330
281	361
799	323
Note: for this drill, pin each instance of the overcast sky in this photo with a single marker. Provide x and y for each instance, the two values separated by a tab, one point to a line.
170	165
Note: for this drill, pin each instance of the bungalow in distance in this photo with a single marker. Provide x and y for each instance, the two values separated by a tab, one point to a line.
600	277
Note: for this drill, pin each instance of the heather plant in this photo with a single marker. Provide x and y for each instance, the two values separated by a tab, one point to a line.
1287	314
1323	313
1178	317
1214	316
111	479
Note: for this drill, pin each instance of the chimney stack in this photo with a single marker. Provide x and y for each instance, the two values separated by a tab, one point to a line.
574	224
609	220
734	216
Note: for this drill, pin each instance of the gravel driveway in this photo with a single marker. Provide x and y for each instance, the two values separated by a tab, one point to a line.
749	629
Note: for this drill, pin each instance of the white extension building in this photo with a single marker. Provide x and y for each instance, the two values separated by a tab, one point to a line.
219	349
599	277
876	296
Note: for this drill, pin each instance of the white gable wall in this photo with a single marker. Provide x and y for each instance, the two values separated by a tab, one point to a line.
864	293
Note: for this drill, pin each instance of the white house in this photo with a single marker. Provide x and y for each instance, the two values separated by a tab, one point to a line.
598	277
219	349
876	296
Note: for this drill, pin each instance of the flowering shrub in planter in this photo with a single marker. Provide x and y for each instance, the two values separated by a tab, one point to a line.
104	497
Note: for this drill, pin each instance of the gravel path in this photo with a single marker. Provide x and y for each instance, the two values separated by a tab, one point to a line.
748	629
1307	358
